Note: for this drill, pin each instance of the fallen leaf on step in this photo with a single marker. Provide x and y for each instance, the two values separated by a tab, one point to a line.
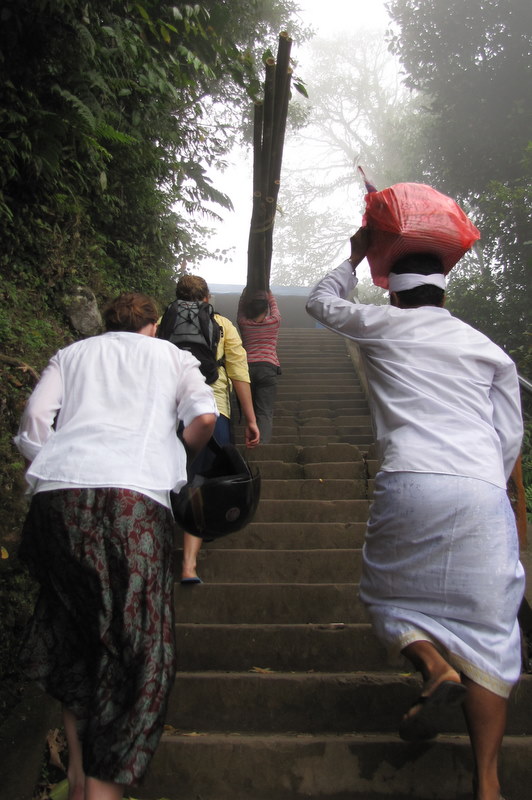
59	791
194	733
169	729
261	670
56	745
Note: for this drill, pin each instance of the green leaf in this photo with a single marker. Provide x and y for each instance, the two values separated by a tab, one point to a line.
143	13
300	87
60	791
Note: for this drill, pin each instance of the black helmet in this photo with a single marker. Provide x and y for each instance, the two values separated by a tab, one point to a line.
221	498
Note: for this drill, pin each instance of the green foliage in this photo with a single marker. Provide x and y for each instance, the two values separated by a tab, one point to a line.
467	61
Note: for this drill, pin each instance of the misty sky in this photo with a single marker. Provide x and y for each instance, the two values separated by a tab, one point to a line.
237	181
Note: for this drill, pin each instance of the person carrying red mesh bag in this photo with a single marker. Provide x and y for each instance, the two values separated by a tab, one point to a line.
441	577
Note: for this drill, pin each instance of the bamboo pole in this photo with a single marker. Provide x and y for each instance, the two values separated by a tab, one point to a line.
268	141
255	275
275	168
267	124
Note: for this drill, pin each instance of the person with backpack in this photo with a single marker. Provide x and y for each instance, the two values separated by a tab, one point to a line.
191	324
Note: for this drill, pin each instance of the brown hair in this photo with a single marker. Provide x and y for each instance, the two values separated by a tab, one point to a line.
130	312
191	287
255	308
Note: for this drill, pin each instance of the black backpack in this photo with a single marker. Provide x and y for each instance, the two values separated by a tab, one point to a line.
191	326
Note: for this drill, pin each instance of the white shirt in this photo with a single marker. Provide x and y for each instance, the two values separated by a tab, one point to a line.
118	398
445	399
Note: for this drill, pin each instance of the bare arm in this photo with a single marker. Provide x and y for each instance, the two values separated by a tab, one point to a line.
243	392
197	434
360	242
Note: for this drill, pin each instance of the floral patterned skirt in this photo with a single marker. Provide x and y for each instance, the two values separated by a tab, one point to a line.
101	639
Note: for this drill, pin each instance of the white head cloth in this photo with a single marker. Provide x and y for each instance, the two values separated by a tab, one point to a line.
400	283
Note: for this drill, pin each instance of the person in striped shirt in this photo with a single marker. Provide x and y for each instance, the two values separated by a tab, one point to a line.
259	320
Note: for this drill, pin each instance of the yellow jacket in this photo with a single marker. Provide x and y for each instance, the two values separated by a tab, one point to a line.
236	365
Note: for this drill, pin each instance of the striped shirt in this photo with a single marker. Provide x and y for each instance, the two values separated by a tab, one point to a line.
260	338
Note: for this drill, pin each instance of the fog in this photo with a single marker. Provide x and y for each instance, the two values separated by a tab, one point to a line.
301	154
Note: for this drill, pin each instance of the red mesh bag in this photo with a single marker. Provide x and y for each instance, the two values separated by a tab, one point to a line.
414	218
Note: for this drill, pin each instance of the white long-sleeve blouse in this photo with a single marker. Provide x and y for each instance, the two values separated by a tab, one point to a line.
445	399
105	413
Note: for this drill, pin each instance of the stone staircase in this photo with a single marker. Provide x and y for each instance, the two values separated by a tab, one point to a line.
282	691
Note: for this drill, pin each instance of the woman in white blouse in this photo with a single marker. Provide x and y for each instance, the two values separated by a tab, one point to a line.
99	433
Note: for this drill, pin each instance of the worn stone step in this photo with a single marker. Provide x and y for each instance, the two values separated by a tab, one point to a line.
305	365
312	454
307	419
313	489
269	603
312	511
350	766
340	702
307	428
338	420
331	470
278	647
353	470
302	432
296	380
330	452
294	536
305	405
363	441
278	566
318	391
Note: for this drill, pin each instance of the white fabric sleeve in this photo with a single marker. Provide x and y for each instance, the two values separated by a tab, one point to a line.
36	425
507	418
196	397
328	301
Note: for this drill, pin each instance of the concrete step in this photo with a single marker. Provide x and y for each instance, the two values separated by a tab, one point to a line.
311	702
293	536
317	391
331	470
350	766
314	420
363	441
302	648
278	566
306	405
312	427
330	452
306	365
269	603
313	489
312	511
347	379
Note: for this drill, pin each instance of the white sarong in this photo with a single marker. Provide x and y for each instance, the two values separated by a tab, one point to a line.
441	564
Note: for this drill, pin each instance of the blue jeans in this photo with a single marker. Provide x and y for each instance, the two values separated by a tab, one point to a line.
263	376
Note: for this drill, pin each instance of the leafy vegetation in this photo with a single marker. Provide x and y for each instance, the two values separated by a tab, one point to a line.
470	65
